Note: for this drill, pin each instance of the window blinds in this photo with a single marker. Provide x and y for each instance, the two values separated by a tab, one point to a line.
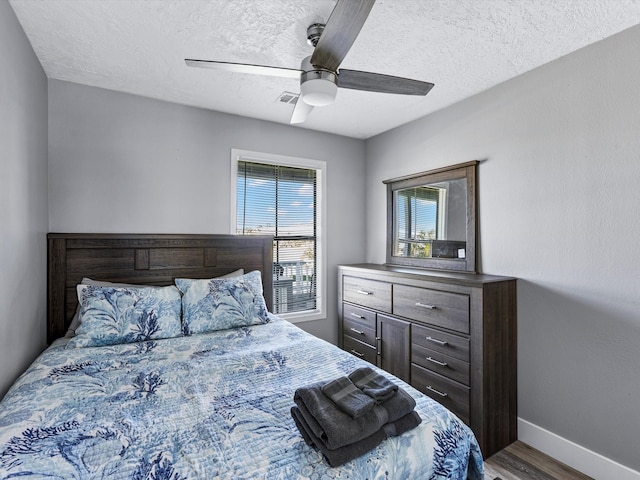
281	201
418	213
417	221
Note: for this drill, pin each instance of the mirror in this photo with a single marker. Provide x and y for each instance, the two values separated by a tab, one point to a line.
431	219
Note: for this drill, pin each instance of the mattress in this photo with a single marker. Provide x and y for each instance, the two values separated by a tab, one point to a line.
212	405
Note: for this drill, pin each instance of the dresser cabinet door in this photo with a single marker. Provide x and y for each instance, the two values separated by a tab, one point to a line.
394	345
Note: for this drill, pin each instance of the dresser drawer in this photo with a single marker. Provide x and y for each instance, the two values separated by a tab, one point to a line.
359	349
368	293
443	309
359	323
451	394
450	367
442	342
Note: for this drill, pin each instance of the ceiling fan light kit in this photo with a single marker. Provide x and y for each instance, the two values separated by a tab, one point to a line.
319	91
317	87
319	75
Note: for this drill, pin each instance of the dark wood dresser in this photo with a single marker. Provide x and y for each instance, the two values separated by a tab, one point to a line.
450	335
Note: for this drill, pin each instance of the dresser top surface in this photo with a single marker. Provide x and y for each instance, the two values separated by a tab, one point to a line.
473	279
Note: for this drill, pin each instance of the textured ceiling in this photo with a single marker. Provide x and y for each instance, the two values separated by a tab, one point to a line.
463	46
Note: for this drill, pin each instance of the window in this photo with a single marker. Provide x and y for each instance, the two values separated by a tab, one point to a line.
282	196
419	220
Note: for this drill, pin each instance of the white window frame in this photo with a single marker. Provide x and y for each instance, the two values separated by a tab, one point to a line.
321	183
442	208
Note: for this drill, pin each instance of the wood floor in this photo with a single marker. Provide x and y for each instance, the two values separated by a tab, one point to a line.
521	462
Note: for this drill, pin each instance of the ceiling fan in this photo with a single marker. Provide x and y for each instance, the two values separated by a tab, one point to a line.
319	74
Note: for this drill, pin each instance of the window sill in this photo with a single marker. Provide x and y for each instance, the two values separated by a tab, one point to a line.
301	317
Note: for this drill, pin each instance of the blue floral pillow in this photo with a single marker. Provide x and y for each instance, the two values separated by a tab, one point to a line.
222	303
112	315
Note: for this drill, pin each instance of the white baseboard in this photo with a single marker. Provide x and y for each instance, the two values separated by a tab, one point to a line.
586	461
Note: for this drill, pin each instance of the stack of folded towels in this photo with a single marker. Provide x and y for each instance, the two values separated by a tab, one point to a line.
349	416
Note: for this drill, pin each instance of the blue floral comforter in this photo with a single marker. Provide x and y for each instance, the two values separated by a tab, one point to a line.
213	405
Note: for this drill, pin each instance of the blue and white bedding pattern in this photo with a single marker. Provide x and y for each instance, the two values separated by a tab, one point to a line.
112	315
212	405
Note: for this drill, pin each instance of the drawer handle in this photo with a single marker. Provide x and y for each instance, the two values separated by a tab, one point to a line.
437	392
437	362
357	354
361	317
426	305
359	332
364	292
435	340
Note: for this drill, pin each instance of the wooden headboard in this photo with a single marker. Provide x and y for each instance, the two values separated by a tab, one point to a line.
145	259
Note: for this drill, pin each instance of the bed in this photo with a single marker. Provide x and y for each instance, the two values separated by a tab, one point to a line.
210	404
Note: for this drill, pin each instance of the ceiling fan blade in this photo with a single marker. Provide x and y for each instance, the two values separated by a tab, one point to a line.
245	68
377	82
301	111
340	32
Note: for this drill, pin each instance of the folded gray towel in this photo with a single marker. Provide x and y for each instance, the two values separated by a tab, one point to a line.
334	426
398	405
349	398
344	454
373	384
337	428
403	424
341	455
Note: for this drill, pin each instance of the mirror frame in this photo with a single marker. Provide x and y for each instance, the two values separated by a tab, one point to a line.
466	170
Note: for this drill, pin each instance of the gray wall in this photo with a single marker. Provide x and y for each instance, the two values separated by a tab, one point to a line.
558	202
558	198
123	163
23	200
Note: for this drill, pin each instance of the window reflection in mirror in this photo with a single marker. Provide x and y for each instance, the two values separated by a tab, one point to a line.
431	220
